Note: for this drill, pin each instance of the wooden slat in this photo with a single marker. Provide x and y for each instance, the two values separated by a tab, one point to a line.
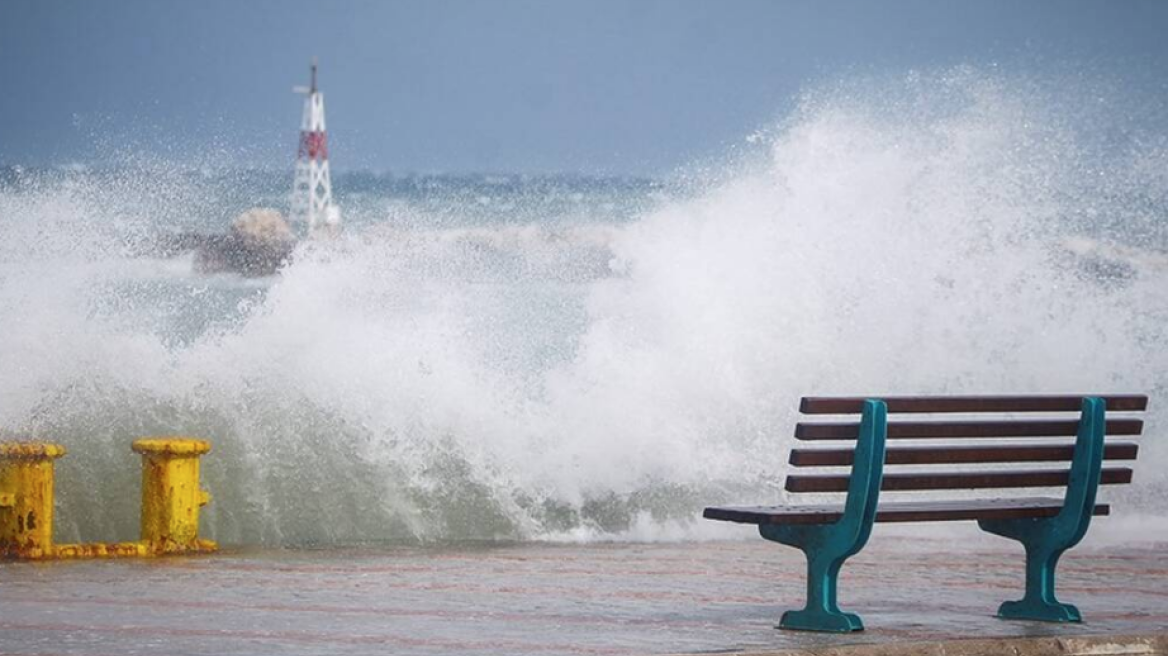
824	405
953	429
956	480
939	455
912	511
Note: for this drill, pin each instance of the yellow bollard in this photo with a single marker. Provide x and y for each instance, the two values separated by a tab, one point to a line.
170	494
26	499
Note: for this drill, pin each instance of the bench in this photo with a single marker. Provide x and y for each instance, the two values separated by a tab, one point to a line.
968	443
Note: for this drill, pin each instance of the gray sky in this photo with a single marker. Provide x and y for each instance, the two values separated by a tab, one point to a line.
597	87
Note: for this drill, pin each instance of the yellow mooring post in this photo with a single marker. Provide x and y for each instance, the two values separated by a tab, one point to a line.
26	499
170	494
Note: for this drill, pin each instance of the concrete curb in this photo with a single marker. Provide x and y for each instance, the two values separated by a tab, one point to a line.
1153	644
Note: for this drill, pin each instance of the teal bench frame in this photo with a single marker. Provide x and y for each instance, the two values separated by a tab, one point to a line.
1045	539
827	546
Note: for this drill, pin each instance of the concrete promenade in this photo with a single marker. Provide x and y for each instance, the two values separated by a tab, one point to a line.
912	587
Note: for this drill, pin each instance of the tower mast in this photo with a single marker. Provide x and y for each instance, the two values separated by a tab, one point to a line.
312	189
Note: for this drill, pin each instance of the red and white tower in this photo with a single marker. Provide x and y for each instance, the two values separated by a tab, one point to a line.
312	190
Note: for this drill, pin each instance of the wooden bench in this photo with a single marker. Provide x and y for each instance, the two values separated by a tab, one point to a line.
979	449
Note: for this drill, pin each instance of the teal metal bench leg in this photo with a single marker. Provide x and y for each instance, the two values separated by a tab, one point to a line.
822	612
1039	602
827	546
1045	539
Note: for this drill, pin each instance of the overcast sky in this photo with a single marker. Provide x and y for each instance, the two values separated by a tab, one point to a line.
594	86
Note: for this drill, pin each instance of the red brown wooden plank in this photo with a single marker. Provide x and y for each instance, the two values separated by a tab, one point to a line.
952	429
831	405
942	455
955	480
911	511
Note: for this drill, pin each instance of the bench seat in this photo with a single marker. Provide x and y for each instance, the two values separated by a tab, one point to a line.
900	511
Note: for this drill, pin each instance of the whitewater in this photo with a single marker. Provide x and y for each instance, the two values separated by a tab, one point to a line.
518	358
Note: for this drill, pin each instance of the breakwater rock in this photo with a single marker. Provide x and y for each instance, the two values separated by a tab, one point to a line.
258	243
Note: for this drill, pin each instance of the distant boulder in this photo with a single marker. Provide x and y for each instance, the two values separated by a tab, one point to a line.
258	242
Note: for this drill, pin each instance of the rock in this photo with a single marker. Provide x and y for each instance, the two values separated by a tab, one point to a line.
257	244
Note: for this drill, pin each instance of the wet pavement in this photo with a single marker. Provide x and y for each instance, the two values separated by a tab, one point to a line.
910	584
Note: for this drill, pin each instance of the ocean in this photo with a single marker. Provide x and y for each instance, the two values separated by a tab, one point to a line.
580	358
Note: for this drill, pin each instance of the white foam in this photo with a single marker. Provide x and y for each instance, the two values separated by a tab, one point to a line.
427	382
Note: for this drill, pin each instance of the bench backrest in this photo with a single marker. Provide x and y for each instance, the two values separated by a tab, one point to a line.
964	442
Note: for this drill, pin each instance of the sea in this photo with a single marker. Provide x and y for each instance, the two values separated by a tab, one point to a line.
582	358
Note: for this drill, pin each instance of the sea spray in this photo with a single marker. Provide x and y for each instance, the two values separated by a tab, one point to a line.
432	377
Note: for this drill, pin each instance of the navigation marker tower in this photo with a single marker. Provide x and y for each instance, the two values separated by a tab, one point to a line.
312	190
